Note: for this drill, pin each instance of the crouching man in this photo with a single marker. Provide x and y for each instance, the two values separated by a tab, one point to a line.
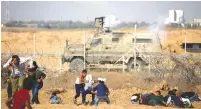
102	92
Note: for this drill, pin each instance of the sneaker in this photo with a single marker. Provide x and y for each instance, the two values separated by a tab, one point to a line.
37	102
92	103
85	103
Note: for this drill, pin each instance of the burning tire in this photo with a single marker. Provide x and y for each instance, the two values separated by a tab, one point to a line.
130	65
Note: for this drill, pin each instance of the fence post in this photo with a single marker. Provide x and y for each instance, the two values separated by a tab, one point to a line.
34	46
135	49
84	36
149	64
60	65
123	62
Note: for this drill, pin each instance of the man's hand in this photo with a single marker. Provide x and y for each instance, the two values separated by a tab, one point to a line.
39	80
93	92
27	75
8	103
27	68
8	80
95	81
11	63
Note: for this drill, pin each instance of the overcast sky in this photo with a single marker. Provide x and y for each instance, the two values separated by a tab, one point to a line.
87	11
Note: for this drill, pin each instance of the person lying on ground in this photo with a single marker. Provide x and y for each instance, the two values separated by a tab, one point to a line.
54	99
191	95
88	88
173	100
21	99
145	97
79	85
102	92
156	99
171	90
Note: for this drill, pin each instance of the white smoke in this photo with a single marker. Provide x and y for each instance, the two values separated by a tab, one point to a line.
158	28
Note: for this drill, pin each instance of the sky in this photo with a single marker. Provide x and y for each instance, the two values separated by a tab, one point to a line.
86	10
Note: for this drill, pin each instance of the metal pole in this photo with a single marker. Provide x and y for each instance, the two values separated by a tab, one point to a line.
185	43
123	63
84	47
34	45
149	64
135	48
60	65
185	40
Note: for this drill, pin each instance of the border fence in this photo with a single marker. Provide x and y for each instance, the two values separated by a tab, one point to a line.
159	64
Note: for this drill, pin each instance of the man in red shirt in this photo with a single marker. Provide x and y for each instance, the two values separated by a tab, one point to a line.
21	99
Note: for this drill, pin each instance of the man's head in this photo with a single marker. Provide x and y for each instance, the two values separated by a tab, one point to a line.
27	84
158	93
15	60
101	81
171	93
42	76
84	72
35	66
54	93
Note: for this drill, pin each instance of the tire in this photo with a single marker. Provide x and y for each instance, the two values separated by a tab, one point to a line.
130	65
77	65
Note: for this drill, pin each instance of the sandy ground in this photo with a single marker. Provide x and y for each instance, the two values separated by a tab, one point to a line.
121	85
120	99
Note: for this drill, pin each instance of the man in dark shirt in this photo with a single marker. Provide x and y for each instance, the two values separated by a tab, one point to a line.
102	93
36	76
38	85
174	100
191	95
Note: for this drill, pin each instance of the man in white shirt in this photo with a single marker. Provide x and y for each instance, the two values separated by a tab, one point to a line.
88	89
19	73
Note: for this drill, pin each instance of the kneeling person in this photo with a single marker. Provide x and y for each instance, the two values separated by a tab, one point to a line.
102	92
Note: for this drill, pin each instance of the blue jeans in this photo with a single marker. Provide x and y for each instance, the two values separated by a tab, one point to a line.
55	100
195	98
98	98
79	88
35	90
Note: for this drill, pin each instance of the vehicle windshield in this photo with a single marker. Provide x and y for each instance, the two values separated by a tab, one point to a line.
96	42
143	40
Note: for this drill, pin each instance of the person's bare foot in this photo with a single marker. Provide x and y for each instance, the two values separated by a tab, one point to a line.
75	101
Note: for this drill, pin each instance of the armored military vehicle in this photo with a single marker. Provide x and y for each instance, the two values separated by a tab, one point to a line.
106	47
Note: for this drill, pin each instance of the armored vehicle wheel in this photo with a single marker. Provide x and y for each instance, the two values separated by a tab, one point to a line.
130	65
77	65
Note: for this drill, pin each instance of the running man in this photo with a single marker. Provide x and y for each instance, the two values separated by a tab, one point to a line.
18	73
